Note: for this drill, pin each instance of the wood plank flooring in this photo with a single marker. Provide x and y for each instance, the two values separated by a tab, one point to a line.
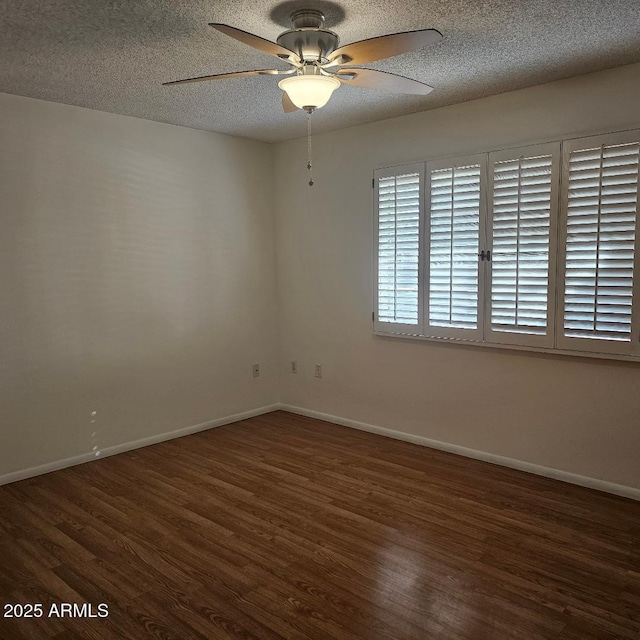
287	527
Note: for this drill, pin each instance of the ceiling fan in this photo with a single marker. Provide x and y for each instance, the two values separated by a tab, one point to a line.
320	66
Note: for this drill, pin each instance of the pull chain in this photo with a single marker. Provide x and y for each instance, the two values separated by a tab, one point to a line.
309	165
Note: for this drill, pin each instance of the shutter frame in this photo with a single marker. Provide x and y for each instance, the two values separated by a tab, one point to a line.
382	326
586	344
434	330
506	337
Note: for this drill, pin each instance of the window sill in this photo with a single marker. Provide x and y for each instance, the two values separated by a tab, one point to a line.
511	347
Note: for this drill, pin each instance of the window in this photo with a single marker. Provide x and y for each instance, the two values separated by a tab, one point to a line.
454	233
532	247
600	292
398	220
522	234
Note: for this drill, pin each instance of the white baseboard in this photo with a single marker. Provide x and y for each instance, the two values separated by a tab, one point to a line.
129	446
547	472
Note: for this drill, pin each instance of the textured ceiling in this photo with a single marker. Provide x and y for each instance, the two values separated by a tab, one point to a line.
114	55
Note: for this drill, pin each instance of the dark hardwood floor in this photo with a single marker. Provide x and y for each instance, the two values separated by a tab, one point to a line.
288	527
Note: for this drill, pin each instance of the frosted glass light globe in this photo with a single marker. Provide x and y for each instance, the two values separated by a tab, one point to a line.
309	91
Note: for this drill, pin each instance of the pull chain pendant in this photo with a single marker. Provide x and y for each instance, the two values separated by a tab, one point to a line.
309	164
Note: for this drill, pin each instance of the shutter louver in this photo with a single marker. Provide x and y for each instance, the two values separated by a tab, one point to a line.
453	247
398	248
601	221
522	189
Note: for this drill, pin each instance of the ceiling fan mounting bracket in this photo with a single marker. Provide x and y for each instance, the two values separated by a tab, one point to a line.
307	18
332	13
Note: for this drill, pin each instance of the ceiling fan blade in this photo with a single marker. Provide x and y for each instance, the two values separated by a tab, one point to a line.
234	74
257	42
384	46
287	105
370	79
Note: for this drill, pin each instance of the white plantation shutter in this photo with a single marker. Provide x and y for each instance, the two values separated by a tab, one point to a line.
454	233
398	220
600	202
561	222
523	212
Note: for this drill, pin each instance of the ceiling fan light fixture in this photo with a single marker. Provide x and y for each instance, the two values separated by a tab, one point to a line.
309	91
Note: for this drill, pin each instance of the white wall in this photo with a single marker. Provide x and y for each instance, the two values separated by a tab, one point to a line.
137	280
577	415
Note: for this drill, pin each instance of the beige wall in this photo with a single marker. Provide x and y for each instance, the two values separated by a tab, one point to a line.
577	415
137	280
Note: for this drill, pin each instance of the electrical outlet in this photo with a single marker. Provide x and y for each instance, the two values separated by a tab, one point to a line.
256	370
318	371
294	366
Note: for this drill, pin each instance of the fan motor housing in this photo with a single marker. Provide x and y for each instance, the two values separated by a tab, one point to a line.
311	44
